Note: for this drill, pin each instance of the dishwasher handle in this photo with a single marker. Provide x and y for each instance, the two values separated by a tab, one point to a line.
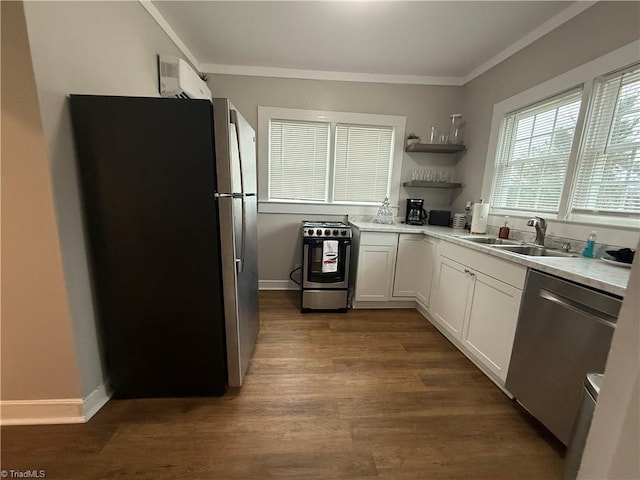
597	315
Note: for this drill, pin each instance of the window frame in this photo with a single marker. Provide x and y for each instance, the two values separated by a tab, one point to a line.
575	93
585	77
266	205
325	126
574	211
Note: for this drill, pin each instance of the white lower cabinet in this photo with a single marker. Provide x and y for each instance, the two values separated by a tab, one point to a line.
414	267
376	267
449	304
477	311
490	322
423	292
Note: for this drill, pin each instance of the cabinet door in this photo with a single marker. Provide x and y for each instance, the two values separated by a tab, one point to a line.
449	305
491	322
375	272
409	265
423	291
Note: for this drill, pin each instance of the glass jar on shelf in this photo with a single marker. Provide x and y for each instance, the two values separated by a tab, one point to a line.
456	126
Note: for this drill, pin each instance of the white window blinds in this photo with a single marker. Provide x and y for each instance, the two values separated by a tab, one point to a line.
298	160
533	153
363	157
608	178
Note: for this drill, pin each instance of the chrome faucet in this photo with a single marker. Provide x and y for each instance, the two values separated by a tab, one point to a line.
540	225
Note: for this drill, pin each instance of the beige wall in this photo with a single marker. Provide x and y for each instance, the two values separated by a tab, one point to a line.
38	355
423	106
93	48
598	30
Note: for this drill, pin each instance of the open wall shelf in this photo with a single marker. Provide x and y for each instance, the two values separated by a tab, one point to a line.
435	148
415	183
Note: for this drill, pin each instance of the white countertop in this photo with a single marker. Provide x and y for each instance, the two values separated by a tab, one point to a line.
587	271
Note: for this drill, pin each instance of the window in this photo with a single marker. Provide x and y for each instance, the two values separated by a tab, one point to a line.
337	161
535	144
574	155
362	163
609	165
298	160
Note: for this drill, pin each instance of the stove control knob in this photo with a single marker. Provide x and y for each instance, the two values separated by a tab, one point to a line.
343	233
335	233
311	231
327	232
318	232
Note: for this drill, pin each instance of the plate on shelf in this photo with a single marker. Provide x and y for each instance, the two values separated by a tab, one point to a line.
615	262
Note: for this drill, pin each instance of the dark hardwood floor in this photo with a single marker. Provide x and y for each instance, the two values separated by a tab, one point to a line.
363	395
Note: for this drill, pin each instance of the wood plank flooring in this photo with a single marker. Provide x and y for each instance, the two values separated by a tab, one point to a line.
371	394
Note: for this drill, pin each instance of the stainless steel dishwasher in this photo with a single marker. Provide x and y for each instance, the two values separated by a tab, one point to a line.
564	332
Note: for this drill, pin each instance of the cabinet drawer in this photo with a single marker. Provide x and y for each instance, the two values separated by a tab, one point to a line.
379	238
503	270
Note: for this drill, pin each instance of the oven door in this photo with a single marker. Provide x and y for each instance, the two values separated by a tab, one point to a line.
312	274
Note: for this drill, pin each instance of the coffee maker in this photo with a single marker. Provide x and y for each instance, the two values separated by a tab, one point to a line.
416	214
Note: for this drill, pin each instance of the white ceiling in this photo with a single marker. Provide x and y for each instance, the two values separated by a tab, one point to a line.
423	42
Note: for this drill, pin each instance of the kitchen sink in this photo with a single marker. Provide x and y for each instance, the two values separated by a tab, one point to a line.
534	250
488	240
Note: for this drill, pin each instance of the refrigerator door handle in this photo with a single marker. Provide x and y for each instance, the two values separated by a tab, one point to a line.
233	116
240	261
227	195
233	195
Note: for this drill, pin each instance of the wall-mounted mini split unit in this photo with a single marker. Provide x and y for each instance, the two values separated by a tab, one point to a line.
177	79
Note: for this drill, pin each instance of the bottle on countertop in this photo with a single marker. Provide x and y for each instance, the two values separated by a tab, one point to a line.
467	211
589	249
504	230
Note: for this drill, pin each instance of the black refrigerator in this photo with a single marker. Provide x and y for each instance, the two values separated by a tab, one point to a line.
169	195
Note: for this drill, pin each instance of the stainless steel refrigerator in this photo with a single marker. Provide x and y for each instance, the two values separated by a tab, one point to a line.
169	196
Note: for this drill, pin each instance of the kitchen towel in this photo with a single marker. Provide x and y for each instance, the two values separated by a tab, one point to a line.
329	256
479	218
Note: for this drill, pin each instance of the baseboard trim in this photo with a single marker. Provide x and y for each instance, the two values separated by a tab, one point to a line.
97	399
41	412
278	285
383	305
424	311
53	411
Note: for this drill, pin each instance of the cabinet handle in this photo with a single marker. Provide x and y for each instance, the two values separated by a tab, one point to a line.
469	272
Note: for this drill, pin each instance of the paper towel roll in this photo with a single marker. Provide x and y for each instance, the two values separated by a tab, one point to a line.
479	218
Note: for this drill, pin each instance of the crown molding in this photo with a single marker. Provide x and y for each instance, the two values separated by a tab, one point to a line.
171	33
213	68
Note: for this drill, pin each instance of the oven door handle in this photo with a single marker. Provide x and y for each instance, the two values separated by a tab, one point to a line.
314	241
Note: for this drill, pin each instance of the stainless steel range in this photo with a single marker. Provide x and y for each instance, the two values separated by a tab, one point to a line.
326	249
